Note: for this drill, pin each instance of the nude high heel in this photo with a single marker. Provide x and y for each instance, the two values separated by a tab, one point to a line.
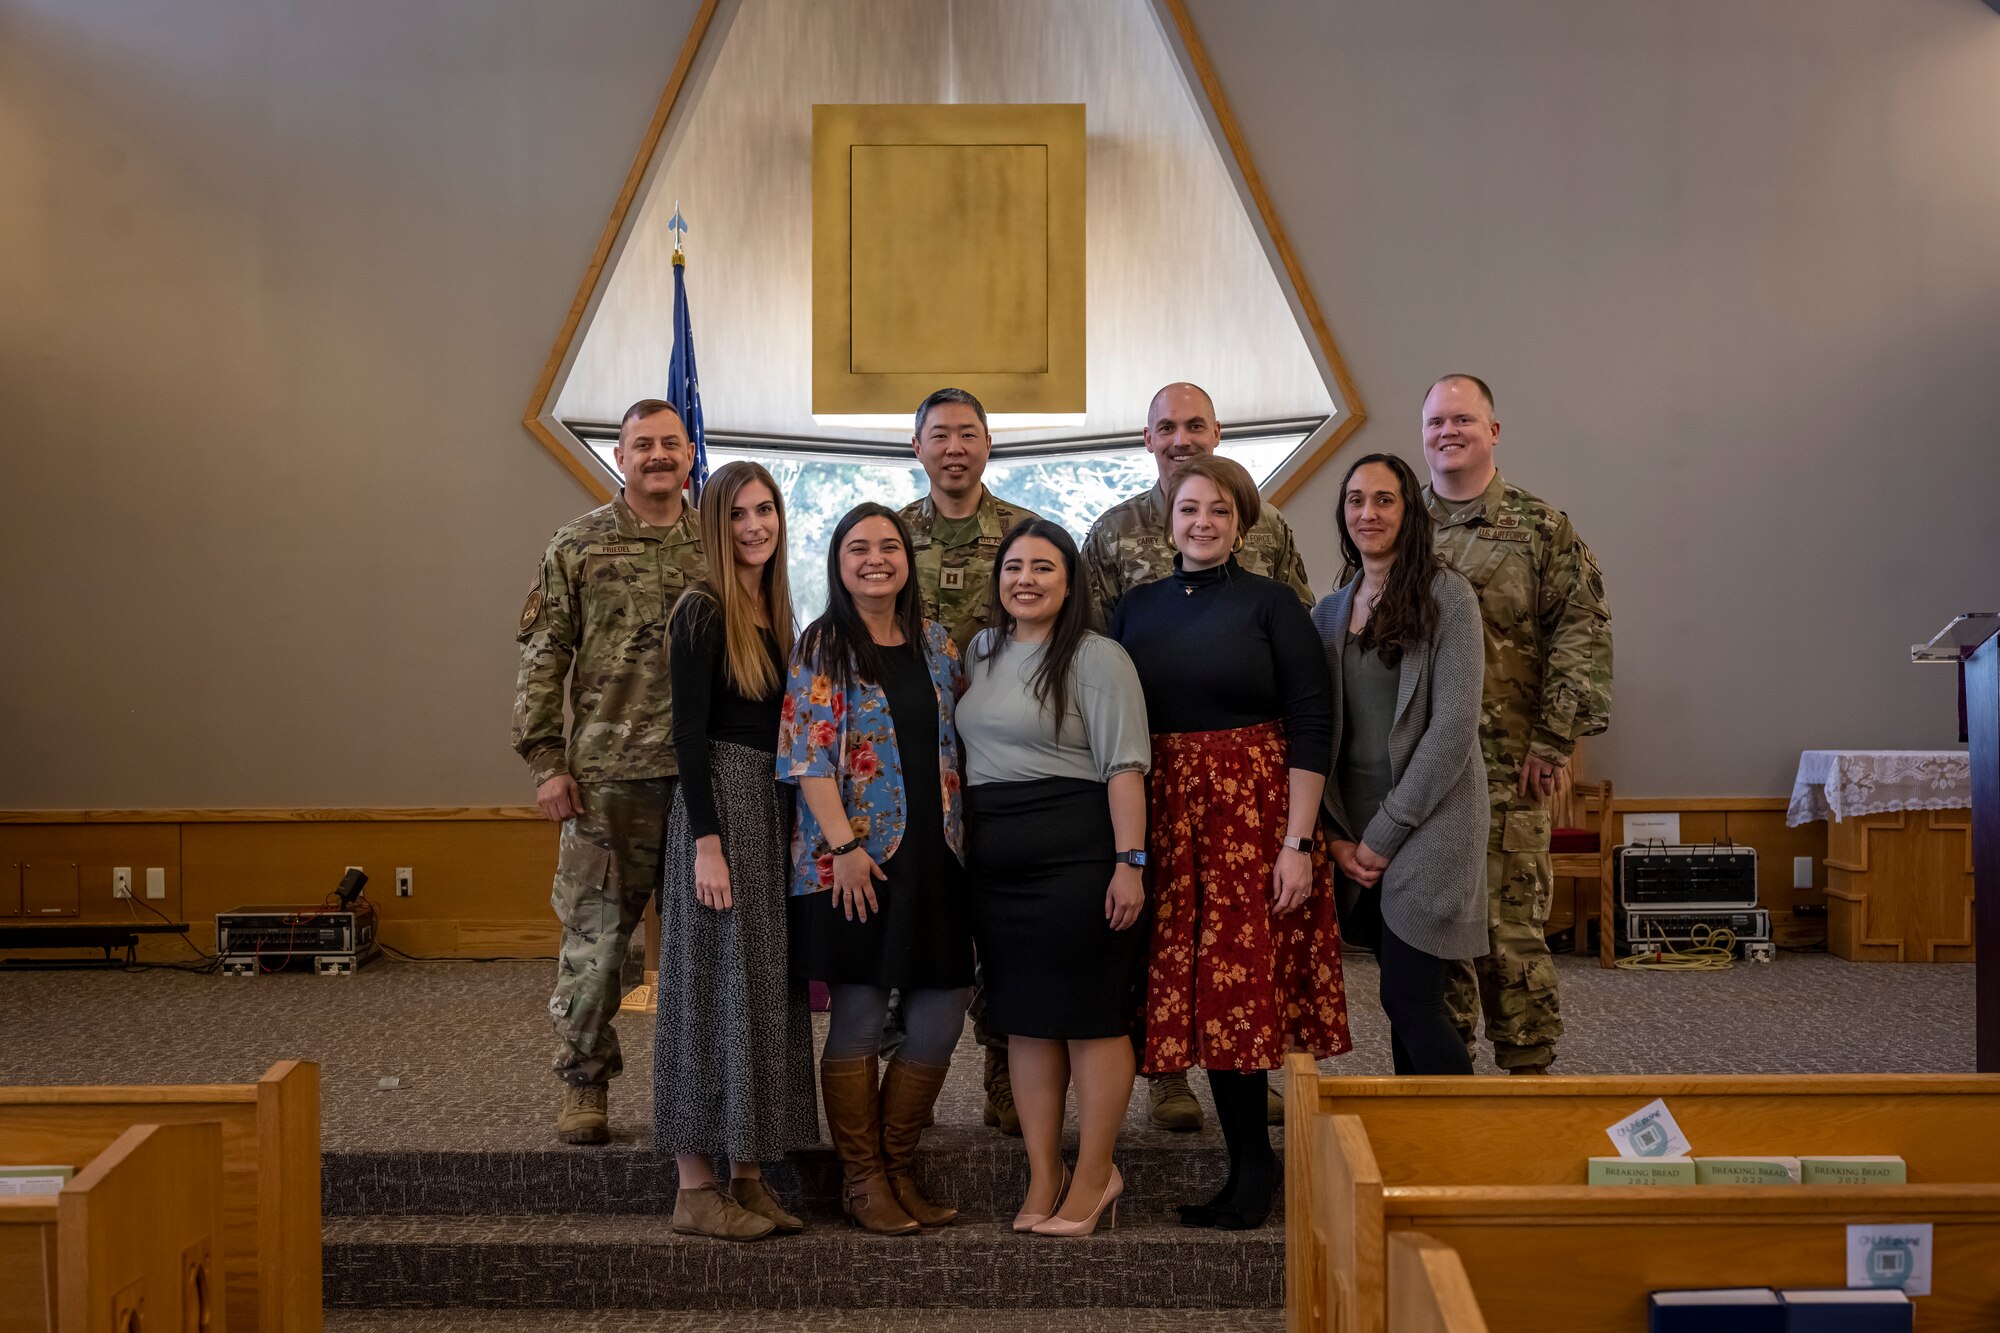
1056	1226
1027	1221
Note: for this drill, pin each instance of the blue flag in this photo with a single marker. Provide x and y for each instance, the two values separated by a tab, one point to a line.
683	385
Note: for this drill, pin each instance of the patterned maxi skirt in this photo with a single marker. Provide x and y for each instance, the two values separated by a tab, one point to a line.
732	1046
1229	985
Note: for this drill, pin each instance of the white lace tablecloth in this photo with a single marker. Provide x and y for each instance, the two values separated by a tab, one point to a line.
1843	784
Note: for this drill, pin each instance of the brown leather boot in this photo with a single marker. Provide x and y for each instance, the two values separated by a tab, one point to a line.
854	1123
909	1090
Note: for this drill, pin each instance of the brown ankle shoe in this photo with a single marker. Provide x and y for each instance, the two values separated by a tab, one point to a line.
854	1123
909	1090
999	1112
708	1211
584	1117
754	1194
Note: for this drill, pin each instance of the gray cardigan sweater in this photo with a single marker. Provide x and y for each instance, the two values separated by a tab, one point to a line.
1433	823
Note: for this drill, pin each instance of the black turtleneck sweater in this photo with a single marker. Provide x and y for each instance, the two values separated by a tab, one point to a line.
1222	648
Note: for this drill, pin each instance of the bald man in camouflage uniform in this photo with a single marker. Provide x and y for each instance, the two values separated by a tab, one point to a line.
1548	685
1129	545
596	618
955	532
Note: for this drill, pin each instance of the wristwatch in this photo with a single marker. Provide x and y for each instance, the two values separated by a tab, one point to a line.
844	847
1131	859
1305	845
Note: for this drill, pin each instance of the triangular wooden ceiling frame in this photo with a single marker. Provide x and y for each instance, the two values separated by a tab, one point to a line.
1177	25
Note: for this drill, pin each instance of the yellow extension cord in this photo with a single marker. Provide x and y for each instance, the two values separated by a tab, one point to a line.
1713	950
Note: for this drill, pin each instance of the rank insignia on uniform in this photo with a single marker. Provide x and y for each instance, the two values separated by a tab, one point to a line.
951	578
531	611
1507	521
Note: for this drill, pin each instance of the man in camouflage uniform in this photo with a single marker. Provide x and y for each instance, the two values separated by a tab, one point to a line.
955	533
597	617
1548	685
1129	545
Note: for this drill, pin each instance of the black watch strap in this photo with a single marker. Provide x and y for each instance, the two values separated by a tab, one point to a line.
1132	858
844	847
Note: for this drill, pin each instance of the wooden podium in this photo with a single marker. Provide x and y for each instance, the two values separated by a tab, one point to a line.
1972	641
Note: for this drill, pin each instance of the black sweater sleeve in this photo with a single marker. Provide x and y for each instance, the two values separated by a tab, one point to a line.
694	665
1303	684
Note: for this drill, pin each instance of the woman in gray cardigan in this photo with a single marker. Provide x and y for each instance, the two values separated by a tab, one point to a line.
1406	803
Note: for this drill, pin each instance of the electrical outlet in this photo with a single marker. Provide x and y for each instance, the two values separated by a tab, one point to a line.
121	882
1802	872
156	881
405	881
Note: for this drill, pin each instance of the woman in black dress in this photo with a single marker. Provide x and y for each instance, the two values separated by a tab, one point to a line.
1056	752
732	1067
878	900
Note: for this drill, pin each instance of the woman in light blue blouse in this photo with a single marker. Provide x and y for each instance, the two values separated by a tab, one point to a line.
878	900
1056	753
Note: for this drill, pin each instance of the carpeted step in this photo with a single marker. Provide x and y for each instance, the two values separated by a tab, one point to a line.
927	1320
975	1170
627	1261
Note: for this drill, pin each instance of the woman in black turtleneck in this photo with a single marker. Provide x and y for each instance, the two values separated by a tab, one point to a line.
1244	962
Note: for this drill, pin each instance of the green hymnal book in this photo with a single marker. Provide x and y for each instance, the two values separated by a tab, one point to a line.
34	1179
1642	1171
1746	1170
1854	1171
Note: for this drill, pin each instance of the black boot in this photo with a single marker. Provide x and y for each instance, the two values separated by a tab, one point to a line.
1239	1105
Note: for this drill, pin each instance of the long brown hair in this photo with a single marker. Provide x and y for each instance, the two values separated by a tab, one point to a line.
1406	609
1052	674
750	672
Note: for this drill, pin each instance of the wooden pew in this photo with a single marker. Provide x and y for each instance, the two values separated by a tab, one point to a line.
128	1246
1580	1259
1362	1152
270	1249
1428	1289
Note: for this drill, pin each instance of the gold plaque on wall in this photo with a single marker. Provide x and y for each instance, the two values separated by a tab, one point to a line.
947	249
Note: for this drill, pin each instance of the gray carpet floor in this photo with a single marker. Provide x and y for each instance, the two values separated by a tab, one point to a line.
469	1046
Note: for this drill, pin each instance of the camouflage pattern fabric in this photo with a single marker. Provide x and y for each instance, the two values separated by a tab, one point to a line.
1548	685
1129	545
597	617
607	868
956	582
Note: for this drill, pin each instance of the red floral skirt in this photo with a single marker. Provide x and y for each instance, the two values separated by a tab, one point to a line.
1229	985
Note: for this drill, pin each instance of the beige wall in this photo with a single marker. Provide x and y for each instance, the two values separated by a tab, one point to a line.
1734	270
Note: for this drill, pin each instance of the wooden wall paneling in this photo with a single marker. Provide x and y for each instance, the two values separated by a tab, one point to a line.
1899	887
96	852
486	881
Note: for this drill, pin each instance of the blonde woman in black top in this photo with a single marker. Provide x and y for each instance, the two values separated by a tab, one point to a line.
733	1075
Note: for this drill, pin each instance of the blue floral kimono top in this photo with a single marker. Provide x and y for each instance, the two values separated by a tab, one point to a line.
828	732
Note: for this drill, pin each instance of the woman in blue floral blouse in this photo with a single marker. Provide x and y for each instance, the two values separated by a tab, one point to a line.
878	903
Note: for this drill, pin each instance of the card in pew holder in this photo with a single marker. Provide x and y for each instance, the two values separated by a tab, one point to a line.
1746	1170
34	1179
1868	1310
1642	1171
1854	1170
1716	1310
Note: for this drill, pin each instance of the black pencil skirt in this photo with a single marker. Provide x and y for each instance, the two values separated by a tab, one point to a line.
1040	855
